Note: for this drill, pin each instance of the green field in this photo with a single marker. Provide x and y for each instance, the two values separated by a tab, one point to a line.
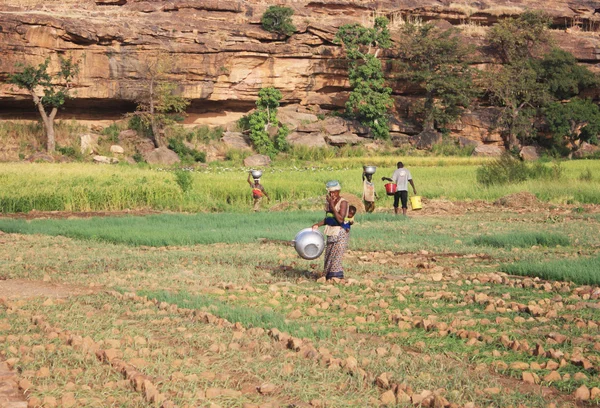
88	187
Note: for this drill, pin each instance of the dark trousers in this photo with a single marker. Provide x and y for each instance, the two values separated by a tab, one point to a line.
401	196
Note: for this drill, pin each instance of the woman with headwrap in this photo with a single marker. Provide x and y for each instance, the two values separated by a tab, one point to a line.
336	210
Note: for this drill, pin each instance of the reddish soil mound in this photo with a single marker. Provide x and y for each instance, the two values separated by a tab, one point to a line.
519	200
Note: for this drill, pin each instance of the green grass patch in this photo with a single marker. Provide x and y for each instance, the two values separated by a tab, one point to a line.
580	271
522	240
248	317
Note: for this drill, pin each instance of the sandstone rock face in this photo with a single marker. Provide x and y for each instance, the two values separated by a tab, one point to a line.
428	138
161	155
307	139
222	57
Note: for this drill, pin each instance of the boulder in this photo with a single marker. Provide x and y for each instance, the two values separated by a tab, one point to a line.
161	155
530	153
290	116
331	126
307	139
488	151
40	157
465	141
117	149
105	160
257	160
236	140
400	139
127	134
585	150
343	140
89	143
427	138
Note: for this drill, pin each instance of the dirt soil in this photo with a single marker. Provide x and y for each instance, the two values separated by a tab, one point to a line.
21	288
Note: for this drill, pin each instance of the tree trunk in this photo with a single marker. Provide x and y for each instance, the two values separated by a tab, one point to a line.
428	122
48	121
153	125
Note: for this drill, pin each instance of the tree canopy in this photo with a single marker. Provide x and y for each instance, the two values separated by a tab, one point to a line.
369	100
278	19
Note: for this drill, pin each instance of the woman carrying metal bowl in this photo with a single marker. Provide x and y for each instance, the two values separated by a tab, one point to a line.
336	210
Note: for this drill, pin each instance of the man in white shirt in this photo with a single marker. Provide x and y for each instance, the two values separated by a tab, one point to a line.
401	178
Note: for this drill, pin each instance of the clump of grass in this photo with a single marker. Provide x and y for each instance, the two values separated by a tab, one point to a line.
579	271
586	175
184	180
508	169
450	148
522	240
245	315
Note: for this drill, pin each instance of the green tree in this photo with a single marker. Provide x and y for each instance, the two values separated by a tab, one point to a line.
516	90
564	77
515	39
158	101
370	100
278	19
573	122
262	120
55	89
436	61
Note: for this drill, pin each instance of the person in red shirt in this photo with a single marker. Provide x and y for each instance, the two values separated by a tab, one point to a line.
258	191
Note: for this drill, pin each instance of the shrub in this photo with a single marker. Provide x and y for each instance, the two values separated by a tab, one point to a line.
278	19
138	158
505	169
186	154
68	151
112	133
586	175
184	180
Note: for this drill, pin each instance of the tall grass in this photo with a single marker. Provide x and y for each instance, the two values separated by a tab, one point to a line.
248	317
89	187
582	271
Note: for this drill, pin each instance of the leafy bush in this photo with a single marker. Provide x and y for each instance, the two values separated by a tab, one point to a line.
184	180
141	127
137	157
278	19
508	169
112	132
68	151
505	169
186	154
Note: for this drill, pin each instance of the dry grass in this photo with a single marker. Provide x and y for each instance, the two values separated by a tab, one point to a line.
472	29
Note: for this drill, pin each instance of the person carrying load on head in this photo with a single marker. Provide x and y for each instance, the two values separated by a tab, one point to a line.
369	195
336	211
258	191
401	178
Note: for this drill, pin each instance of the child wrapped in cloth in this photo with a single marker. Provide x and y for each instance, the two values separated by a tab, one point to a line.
336	212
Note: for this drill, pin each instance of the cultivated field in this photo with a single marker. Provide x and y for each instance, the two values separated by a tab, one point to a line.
486	297
214	310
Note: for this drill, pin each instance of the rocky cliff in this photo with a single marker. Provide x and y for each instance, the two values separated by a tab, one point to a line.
223	56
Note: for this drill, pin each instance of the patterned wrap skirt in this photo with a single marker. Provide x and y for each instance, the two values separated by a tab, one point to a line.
334	253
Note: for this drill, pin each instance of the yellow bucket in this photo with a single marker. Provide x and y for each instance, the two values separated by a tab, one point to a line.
415	202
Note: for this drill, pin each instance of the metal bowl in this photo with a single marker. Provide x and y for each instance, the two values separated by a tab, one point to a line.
309	243
369	169
256	173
